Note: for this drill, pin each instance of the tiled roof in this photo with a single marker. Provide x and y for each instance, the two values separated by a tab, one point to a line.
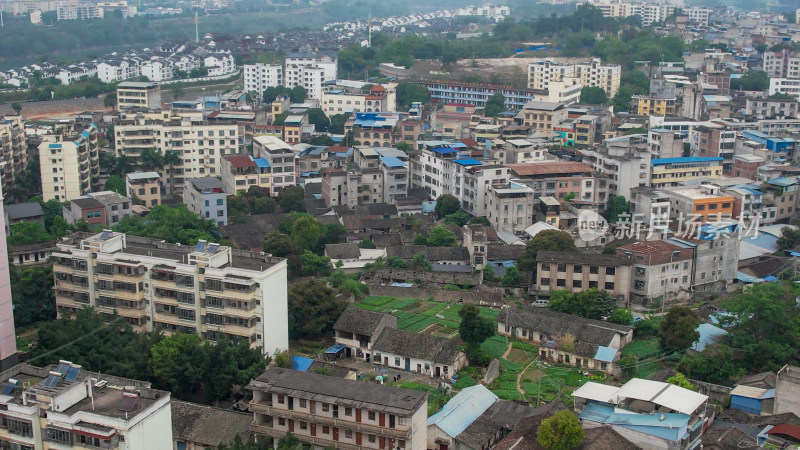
206	425
550	168
416	345
649	247
359	321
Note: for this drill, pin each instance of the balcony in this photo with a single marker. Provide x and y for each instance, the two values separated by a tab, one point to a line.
322	420
269	431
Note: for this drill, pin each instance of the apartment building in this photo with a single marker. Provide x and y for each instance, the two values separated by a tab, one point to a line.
64	406
624	160
208	289
240	172
558	179
341	101
577	272
770	108
665	143
652	206
646	105
713	140
509	206
280	158
382	183
782	64
200	143
783	193
294	126
660	269
671	172
13	150
206	197
310	71
476	94
77	10
105	208
591	73
777	148
259	76
324	411
542	116
648	12
698	15
138	94
69	164
706	201
746	166
716	259
145	186
8	337
784	86
374	129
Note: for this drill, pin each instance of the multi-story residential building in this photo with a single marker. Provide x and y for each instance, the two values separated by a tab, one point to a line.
137	94
577	272
671	172
748	205
783	193
325	411
647	105
206	197
476	94
219	64
69	164
310	71
782	64
340	101
716	259
592	73
713	140
746	166
115	207
280	157
13	150
542	116
697	15
63	406
784	86
558	179
208	289
374	129
77	10
665	143
240	172
660	269
648	12
770	108
777	148
200	143
8	337
259	76
705	201
509	207
145	186
293	127
651	206
382	182
624	160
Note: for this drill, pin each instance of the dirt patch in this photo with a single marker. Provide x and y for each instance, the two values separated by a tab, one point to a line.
519	356
412	307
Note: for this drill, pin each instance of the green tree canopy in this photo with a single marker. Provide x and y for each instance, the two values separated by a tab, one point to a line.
313	309
474	329
173	224
680	380
561	431
446	204
408	93
593	95
116	184
32	295
292	198
553	240
752	80
298	94
622	316
442	237
678	328
617	205
27	233
308	233
317	117
278	244
495	105
511	277
591	303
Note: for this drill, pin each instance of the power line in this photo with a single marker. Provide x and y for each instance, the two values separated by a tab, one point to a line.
77	339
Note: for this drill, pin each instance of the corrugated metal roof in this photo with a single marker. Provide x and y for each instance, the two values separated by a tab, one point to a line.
691	159
670	426
262	162
748	391
392	161
301	363
596	391
709	334
605	354
467	162
463	409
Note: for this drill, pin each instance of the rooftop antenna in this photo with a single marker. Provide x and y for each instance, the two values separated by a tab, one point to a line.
196	29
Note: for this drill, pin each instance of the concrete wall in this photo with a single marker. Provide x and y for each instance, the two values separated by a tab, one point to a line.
787	390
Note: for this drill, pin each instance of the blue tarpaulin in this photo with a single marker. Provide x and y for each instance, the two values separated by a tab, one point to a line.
335	349
301	363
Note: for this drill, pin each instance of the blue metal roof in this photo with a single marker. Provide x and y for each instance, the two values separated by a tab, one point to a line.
463	409
467	162
336	348
429	206
669	426
392	161
691	159
709	334
444	150
301	363
605	354
782	181
261	162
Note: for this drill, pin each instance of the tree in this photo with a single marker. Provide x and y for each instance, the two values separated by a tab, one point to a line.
561	431
115	183
17	108
322	140
591	303
764	322
316	265
366	243
292	198
420	261
495	105
593	95
334	233
313	309
678	328
298	94
617	205
110	100
171	159
279	119
680	380
473	328
123	165
317	117
395	262
151	159
511	277
553	240
179	364
488	273
715	365
622	316
177	91
789	239
442	237
308	233
407	93
278	244
289	442
752	80
27	233
337	123
446	204
32	294
458	218
173	224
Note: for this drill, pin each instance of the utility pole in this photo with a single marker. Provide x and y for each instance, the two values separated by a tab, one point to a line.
196	29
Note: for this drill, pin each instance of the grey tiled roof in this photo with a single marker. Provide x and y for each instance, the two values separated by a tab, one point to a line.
207	425
416	345
23	210
554	324
359	321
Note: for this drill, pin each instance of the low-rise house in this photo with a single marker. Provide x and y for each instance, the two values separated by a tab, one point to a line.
31	254
650	414
577	272
417	352
23	212
145	186
117	206
567	339
353	259
327	411
201	427
758	401
206	197
85	209
660	269
357	330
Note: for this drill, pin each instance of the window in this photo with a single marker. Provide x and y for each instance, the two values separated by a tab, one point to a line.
19	427
396	361
609	286
326	407
281	421
577	284
303	425
61	436
611	270
302	403
401	420
371	438
326	429
281	399
562	267
593	270
561	282
545	281
577	269
348	411
371	415
219	201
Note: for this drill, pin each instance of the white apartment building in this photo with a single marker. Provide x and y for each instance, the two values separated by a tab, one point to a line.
625	160
77	10
323	411
310	71
782	64
201	144
259	76
649	12
280	157
510	207
116	70
219	64
591	73
208	289
785	86
69	164
138	94
698	15
8	340
340	101
13	149
157	70
62	406
205	196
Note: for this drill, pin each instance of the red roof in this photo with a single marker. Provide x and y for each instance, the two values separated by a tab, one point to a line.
786	430
649	247
377	89
550	168
470	142
337	149
241	161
